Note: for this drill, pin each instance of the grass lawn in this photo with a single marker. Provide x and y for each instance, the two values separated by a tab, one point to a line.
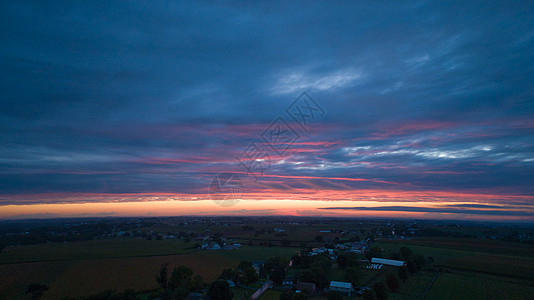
270	295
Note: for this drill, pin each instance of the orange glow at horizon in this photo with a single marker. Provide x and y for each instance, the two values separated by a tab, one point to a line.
242	208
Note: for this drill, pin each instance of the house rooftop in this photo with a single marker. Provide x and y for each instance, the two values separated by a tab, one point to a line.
341	284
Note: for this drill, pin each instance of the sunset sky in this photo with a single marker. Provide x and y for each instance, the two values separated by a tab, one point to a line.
416	109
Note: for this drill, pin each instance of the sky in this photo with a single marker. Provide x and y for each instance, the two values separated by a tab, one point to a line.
416	109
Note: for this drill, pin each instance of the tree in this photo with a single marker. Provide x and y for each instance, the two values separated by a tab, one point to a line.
244	265
352	275
403	273
369	295
278	261
373	252
411	266
380	290
180	293
392	282
406	252
249	276
180	277
197	283
277	275
36	290
163	276
351	260
220	290
228	274
419	261
321	261
342	260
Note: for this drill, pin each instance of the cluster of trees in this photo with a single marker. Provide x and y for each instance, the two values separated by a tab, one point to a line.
245	274
220	290
292	295
414	262
378	292
319	266
275	269
349	263
179	284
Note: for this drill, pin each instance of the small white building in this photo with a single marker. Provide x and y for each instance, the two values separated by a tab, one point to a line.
389	262
342	287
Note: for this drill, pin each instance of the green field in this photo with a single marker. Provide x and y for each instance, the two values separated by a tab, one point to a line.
481	259
474	286
93	249
488	270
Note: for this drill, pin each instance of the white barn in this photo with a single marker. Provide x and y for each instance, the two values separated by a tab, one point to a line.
340	286
389	262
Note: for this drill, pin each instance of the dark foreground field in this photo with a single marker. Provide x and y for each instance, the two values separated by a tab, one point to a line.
86	268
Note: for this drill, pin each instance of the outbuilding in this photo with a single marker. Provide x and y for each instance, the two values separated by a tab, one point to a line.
389	262
340	286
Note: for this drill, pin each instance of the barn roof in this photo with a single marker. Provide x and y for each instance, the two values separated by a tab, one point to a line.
341	284
391	262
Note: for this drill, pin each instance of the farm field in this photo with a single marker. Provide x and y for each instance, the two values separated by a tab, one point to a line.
93	249
480	260
113	264
466	286
86	277
414	287
475	274
478	245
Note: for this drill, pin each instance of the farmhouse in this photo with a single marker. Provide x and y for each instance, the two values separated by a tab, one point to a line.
340	286
389	262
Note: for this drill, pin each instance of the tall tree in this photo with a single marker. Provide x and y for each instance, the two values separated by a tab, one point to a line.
197	283
380	290
406	252
162	279
220	290
403	273
369	295
352	275
392	282
180	277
